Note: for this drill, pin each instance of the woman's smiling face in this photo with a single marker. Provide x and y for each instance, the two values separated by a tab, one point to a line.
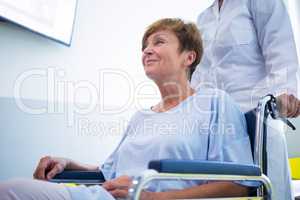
162	58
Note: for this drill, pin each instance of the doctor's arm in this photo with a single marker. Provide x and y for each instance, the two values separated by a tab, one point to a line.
276	40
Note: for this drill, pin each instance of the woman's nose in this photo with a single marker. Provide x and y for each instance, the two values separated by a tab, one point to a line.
148	50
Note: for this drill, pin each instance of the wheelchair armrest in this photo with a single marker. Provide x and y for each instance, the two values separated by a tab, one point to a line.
203	167
79	177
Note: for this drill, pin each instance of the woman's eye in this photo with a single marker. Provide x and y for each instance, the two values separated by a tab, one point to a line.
159	42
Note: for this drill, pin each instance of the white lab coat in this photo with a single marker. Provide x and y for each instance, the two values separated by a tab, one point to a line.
249	51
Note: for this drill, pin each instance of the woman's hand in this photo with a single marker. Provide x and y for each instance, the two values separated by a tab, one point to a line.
118	187
145	195
48	167
289	105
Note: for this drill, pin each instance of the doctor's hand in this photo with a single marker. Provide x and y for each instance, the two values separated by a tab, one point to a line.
48	167
118	187
289	105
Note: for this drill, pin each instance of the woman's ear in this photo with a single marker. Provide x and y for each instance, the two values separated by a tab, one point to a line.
190	58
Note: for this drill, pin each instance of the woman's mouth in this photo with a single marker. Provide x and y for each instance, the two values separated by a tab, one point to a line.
149	62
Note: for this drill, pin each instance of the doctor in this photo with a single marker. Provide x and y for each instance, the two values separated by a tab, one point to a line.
249	51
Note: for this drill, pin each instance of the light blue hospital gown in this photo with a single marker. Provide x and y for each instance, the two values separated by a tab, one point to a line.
205	126
249	51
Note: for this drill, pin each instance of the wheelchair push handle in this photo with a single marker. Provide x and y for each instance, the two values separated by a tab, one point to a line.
275	114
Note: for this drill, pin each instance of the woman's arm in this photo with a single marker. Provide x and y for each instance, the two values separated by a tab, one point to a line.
48	167
119	189
216	189
74	165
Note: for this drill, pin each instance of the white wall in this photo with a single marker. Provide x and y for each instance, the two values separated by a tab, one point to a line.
107	35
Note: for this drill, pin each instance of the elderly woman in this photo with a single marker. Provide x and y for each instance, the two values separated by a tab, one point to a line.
203	125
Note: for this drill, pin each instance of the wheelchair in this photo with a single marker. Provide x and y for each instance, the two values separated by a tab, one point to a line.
206	170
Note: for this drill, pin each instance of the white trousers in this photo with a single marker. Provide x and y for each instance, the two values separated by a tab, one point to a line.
26	189
278	166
